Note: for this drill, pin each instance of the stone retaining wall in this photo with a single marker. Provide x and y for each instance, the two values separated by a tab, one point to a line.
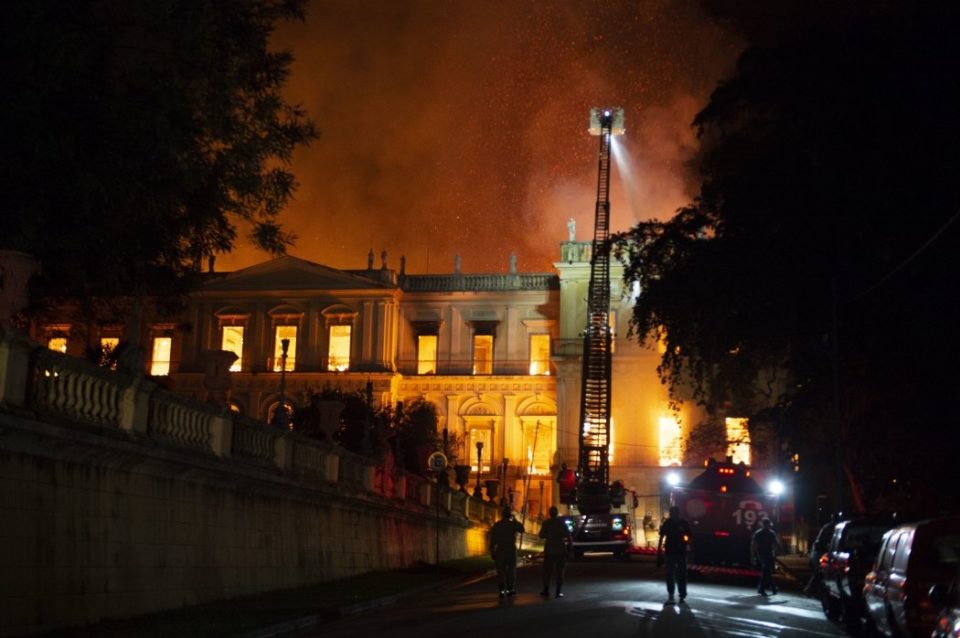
120	499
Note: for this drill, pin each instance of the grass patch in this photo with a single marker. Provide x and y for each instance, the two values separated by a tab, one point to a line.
249	613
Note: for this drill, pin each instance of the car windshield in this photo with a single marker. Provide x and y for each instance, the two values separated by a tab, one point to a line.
823	537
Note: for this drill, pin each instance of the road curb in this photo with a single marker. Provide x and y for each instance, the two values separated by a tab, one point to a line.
290	626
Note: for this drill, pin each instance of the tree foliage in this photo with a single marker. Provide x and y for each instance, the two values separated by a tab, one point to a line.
137	135
416	433
706	440
409	430
818	255
364	428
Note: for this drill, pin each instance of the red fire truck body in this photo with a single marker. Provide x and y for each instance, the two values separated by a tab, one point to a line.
724	507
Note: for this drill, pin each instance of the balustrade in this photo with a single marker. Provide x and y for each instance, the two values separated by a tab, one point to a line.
70	387
76	390
179	421
254	441
480	282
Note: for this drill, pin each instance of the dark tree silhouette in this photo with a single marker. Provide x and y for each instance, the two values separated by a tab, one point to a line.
138	134
416	433
819	255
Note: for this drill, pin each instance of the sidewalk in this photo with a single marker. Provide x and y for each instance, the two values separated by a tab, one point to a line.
278	612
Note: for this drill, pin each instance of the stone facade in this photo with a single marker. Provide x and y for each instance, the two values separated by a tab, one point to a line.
524	413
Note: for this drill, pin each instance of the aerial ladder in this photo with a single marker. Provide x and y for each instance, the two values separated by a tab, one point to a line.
594	493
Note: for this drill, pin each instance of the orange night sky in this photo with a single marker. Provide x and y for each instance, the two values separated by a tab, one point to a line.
459	127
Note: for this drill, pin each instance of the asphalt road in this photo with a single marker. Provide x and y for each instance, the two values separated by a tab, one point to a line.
604	598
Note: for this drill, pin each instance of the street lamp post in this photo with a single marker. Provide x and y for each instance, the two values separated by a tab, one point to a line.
280	417
476	491
503	482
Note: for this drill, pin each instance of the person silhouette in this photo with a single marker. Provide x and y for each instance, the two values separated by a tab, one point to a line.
556	546
764	546
676	532
503	551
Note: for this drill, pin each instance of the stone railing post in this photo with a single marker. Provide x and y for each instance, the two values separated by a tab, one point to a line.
14	367
331	467
135	406
283	453
368	475
425	490
221	431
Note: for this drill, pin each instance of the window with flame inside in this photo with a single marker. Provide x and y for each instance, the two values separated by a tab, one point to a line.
540	354
427	354
483	354
160	356
281	333
338	354
232	341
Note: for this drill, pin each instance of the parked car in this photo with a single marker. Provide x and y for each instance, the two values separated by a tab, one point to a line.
948	622
818	546
911	560
843	567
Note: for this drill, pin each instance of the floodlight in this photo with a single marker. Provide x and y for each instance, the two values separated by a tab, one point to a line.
611	117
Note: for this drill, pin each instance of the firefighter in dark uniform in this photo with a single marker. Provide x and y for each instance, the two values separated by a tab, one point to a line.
503	550
764	547
676	532
557	541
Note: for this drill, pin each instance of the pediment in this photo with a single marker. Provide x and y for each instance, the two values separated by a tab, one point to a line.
291	273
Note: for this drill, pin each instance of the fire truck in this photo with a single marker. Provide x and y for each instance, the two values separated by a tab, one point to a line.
601	523
724	506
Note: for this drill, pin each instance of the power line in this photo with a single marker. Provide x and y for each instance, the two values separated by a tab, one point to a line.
906	261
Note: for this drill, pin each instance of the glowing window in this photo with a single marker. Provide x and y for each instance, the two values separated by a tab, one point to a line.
483	354
671	449
538	445
612	322
160	356
108	345
611	446
58	344
338	357
539	354
232	341
738	440
281	333
427	354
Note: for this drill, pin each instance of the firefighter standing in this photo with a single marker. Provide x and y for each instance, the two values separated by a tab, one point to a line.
556	544
764	547
503	550
676	532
